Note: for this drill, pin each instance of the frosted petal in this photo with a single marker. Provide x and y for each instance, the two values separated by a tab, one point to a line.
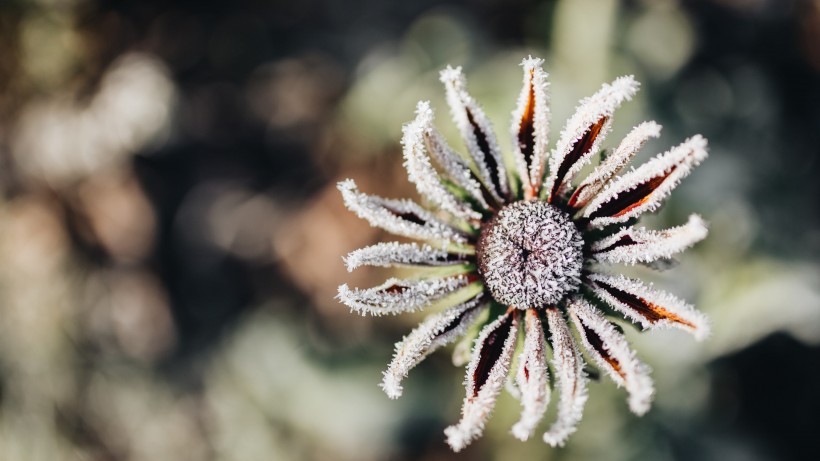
420	170
608	347
400	217
647	306
532	378
640	245
584	132
645	188
387	254
486	374
396	296
614	163
530	125
434	332
570	380
477	132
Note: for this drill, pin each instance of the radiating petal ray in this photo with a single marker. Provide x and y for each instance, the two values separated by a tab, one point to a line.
532	378
640	245
647	306
455	167
401	217
420	170
477	132
609	349
388	254
530	125
436	331
645	188
614	163
486	374
396	296
584	132
570	380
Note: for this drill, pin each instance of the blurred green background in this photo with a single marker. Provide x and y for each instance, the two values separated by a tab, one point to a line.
170	233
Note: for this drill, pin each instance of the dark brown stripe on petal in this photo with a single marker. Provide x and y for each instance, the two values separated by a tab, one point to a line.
526	132
628	200
580	147
625	240
491	351
394	289
408	216
484	147
456	321
652	312
598	344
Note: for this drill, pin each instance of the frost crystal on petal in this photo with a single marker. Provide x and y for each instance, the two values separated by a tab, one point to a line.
632	245
532	378
645	188
456	167
647	306
614	163
401	217
609	349
436	331
421	172
570	377
477	132
530	124
584	132
387	254
396	296
486	374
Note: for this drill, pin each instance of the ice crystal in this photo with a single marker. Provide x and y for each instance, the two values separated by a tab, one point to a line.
531	257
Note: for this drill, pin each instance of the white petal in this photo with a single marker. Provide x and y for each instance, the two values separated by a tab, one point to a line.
649	307
456	167
645	188
396	296
436	331
486	374
574	149
420	170
614	163
608	347
387	254
640	245
388	215
477	132
532	378
570	380
531	123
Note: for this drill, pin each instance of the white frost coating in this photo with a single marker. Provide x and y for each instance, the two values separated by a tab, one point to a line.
614	163
396	296
377	211
436	331
420	170
535	83
530	254
589	111
677	163
667	311
532	378
649	245
477	406
570	380
461	103
629	372
454	165
387	254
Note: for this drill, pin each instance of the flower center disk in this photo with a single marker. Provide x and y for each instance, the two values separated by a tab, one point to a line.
530	255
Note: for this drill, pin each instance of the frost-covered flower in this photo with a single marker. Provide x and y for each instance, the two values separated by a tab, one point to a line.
516	243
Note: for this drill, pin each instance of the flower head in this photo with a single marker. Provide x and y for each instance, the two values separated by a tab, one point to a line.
520	254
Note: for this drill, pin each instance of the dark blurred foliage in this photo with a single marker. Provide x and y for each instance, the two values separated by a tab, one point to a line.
224	219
